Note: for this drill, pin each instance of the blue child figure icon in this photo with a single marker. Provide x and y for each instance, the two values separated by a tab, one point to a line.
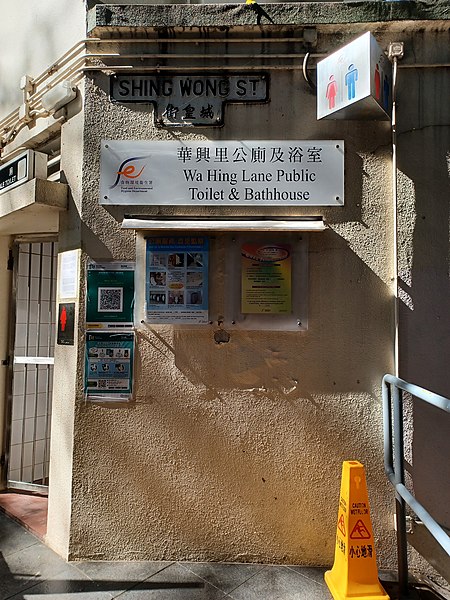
350	81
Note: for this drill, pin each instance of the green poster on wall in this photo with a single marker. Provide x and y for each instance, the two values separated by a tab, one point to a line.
110	295
108	371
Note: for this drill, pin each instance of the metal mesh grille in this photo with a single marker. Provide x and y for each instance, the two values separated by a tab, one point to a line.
33	365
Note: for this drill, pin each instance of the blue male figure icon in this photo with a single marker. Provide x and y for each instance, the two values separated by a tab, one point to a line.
350	81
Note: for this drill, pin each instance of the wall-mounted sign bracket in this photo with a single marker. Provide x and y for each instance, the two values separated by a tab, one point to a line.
226	224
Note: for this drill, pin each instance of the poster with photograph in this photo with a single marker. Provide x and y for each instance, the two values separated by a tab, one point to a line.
109	365
110	295
266	279
176	286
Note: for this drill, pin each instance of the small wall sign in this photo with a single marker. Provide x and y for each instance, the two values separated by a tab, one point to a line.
110	295
66	324
188	100
21	169
355	82
176	285
266	278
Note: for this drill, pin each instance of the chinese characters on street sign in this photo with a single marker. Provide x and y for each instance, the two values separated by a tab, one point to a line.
188	100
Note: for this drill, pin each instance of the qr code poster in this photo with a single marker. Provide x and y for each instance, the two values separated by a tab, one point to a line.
108	371
110	295
110	299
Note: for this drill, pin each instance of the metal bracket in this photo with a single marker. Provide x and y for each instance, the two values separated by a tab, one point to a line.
396	50
27	87
310	36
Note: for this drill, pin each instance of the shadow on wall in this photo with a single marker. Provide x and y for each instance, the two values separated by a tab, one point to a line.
230	440
242	437
233	451
424	158
229	481
346	348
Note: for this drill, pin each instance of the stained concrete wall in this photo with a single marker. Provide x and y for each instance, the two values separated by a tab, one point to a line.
234	451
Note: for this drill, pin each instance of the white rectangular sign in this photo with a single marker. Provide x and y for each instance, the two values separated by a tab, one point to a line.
232	173
69	274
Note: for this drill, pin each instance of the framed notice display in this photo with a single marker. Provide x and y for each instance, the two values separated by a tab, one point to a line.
266	282
109	365
110	295
176	282
266	278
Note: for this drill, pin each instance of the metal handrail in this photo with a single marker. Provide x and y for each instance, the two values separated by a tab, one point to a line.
392	390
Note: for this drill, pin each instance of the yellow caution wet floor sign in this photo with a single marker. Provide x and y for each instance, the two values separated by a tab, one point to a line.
354	574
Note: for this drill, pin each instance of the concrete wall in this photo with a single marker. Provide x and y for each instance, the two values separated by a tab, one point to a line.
234	451
424	192
67	358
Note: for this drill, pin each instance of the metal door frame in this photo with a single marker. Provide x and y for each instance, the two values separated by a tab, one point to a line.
12	360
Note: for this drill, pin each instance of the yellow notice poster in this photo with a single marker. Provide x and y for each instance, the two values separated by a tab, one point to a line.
266	279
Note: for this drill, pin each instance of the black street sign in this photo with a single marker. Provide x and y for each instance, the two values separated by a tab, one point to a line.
189	100
14	172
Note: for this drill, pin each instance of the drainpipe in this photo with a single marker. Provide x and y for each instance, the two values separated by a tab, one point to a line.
395	53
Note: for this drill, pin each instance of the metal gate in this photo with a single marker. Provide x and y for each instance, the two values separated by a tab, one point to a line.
32	374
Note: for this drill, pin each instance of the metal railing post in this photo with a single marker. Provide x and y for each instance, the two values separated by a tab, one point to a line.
392	393
400	507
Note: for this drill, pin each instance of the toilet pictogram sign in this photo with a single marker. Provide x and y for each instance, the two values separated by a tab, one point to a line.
355	82
66	324
360	531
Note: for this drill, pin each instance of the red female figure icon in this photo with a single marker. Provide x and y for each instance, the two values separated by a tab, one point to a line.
331	92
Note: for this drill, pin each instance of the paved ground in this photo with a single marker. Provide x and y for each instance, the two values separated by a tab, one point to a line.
31	571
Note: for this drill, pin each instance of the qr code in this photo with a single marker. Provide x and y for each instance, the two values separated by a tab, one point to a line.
110	299
102	383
